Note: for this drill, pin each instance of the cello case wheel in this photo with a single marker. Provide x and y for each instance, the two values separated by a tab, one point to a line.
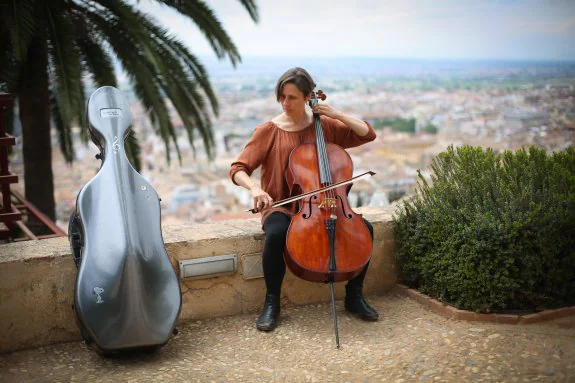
75	238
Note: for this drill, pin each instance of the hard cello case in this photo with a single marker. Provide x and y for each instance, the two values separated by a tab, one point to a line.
127	294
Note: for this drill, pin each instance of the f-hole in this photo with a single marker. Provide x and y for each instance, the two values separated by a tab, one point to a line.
308	204
347	214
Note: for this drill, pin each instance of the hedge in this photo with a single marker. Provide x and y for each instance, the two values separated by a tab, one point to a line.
492	232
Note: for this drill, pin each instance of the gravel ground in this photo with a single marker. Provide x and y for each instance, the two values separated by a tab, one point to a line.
407	344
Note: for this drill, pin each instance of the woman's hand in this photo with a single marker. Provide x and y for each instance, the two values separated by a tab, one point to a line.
262	200
326	110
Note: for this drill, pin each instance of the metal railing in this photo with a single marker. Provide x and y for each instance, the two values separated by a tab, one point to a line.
15	207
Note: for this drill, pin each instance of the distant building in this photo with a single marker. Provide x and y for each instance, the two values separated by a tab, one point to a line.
187	194
525	119
379	199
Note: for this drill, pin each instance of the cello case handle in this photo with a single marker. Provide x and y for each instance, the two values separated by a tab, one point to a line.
127	294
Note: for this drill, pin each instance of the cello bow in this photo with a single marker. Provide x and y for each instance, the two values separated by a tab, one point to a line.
317	191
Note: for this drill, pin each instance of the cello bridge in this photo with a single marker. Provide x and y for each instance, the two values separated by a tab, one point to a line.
328	203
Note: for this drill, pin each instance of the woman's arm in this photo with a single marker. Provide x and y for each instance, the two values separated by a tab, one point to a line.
359	127
250	159
261	199
242	179
344	130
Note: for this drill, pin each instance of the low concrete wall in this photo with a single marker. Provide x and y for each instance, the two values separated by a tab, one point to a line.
37	279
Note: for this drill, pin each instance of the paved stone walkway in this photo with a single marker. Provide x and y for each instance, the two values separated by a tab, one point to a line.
407	344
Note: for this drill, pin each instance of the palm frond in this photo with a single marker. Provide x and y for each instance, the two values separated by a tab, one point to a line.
97	61
133	150
172	73
196	69
205	19
249	5
65	66
158	64
182	92
20	18
252	8
141	67
63	128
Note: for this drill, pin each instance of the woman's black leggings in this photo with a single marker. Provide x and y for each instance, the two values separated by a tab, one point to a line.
275	228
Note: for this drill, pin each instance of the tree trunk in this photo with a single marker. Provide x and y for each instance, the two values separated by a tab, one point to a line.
35	117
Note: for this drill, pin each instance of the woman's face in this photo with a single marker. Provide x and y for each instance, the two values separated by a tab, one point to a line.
292	100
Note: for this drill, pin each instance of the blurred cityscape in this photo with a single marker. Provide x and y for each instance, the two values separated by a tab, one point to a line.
418	108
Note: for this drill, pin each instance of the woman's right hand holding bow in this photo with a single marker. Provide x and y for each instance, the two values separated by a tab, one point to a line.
262	200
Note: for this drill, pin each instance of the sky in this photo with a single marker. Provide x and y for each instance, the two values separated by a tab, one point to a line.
425	29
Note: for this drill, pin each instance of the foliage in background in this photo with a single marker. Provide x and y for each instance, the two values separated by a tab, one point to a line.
396	194
397	124
430	128
492	231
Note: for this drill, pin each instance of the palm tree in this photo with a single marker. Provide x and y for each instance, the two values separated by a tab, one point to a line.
48	47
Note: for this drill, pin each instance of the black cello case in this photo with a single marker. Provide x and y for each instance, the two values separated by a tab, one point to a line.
127	294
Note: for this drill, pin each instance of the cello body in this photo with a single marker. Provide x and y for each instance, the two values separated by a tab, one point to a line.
127	294
326	240
308	241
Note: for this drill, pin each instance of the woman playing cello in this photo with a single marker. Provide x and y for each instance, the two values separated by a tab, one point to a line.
270	147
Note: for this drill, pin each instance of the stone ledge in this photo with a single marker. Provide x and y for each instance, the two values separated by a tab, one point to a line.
37	279
454	313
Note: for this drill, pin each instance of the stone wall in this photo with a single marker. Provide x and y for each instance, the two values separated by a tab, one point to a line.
37	279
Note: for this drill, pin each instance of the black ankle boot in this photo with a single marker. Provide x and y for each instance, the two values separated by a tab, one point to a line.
267	320
354	303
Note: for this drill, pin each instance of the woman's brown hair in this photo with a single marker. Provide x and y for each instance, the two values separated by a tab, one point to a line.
297	76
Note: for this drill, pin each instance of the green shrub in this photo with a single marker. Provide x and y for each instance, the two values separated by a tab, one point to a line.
397	124
430	128
492	232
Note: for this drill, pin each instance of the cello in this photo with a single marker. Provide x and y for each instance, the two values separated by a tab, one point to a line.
326	240
127	294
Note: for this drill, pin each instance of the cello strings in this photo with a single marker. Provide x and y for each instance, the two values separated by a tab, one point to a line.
324	162
320	151
325	176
